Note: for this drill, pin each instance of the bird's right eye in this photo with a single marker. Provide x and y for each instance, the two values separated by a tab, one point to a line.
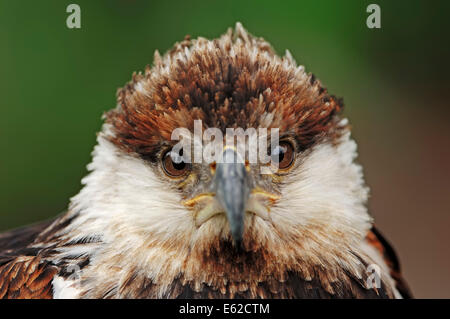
173	164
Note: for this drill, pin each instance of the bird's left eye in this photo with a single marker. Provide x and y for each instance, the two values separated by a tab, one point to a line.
283	155
173	164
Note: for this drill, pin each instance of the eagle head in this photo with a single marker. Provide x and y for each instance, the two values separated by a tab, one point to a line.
199	219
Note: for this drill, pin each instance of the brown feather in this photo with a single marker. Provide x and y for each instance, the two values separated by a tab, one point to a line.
222	91
27	277
375	239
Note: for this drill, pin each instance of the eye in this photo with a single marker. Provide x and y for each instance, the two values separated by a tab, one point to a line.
173	164
283	154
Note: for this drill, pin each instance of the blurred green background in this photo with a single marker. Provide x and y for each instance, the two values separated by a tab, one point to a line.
56	82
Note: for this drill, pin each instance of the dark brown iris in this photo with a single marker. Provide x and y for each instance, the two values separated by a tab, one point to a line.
283	154
173	164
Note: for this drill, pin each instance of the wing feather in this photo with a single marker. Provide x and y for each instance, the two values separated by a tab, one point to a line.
23	273
27	277
378	241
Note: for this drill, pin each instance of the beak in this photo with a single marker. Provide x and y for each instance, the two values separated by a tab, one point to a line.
232	191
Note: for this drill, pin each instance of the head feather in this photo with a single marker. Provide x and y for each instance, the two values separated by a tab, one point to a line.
236	80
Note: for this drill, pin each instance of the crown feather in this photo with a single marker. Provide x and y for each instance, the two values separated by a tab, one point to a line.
236	80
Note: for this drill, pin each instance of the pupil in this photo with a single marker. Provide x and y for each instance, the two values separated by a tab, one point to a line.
278	154
177	159
179	166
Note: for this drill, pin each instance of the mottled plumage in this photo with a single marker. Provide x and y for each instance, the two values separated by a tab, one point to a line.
135	232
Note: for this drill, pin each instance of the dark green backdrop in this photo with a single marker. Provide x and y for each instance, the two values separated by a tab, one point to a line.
55	83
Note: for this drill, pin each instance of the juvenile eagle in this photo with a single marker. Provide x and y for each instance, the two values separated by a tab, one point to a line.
147	226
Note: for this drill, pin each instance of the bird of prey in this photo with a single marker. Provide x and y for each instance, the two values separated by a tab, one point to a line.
147	226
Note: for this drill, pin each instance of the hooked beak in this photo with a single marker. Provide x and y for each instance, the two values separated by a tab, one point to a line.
232	191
